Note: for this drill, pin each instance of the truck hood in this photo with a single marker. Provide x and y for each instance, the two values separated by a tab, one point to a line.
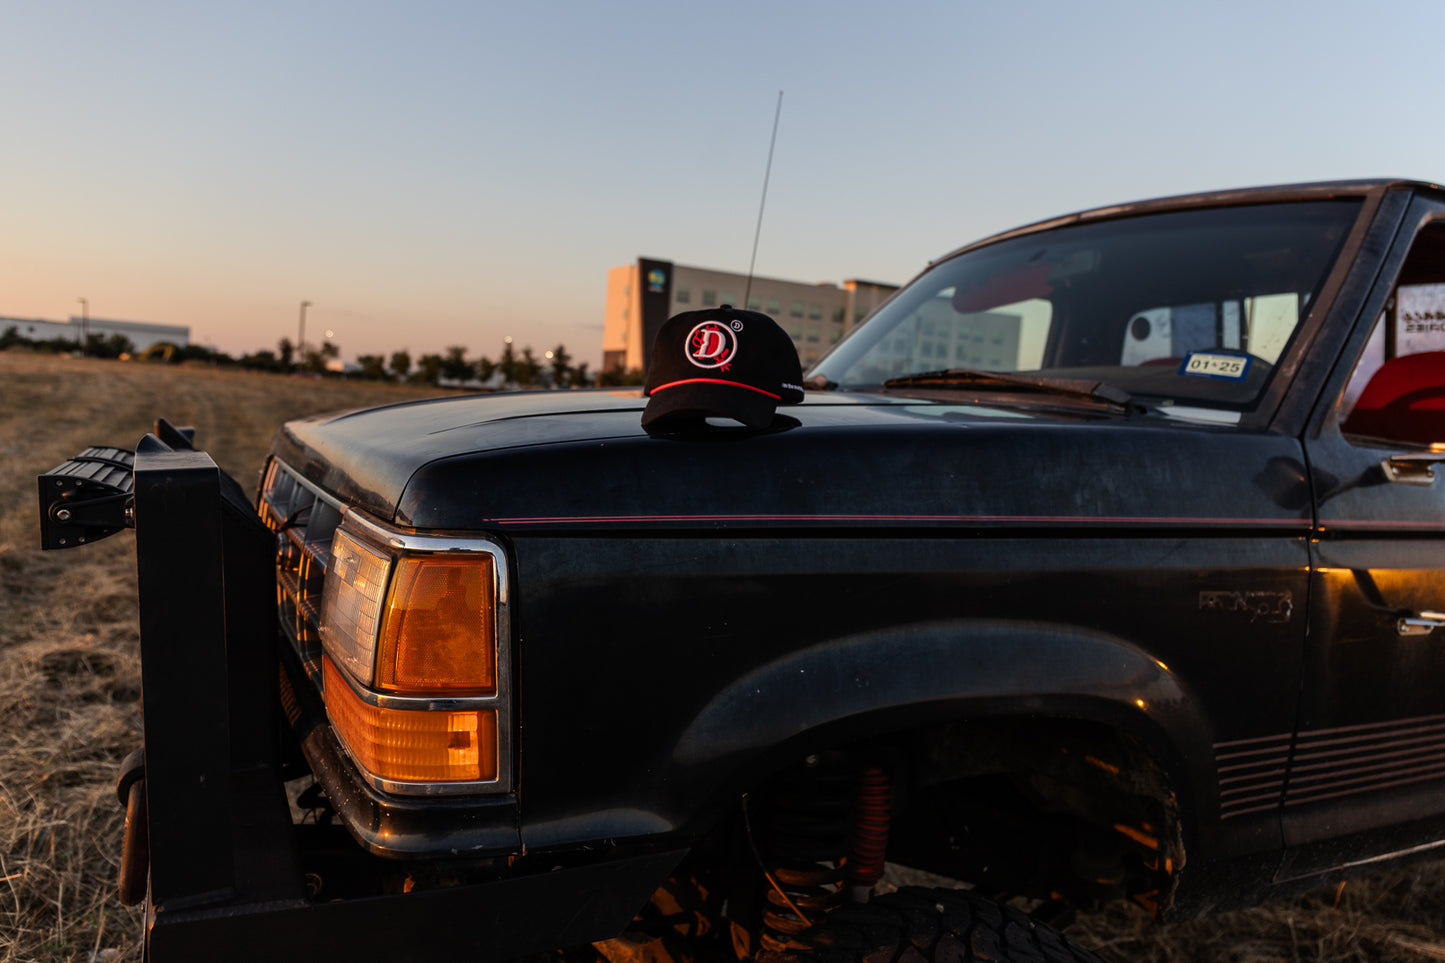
556	461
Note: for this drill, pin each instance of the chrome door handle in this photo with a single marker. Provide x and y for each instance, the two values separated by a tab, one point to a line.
1422	623
1415	468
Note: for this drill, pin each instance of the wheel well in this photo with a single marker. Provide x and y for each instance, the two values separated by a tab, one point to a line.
1049	809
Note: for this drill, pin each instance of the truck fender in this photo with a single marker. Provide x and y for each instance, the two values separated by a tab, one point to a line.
889	680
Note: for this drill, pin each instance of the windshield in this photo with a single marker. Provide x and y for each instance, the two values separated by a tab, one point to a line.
1189	307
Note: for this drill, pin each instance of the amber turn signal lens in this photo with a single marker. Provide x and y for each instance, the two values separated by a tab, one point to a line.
439	635
412	745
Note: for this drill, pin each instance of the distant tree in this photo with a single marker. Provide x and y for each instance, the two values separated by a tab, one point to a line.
373	367
108	346
561	366
579	378
401	364
620	377
10	338
286	351
201	353
428	369
455	366
262	360
317	357
508	365
485	367
57	345
529	368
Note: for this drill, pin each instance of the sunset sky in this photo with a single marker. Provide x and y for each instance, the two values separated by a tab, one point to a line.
451	173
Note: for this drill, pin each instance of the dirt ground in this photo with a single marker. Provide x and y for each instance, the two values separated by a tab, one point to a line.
70	690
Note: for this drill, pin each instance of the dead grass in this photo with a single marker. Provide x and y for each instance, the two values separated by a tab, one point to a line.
69	661
70	689
1392	917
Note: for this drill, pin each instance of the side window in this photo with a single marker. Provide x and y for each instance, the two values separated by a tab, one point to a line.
1397	391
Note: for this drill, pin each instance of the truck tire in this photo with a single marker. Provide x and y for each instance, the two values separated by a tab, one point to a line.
918	924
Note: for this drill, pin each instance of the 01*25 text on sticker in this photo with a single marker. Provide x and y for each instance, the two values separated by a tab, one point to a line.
1210	364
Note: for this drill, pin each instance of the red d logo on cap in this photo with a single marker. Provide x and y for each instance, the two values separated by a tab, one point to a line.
711	345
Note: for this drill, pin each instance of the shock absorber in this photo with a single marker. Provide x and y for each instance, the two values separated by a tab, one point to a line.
872	813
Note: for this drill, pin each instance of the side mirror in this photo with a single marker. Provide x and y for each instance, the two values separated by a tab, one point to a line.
1403	402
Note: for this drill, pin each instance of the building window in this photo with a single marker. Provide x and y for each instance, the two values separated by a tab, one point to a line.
774	306
709	298
684	295
730	298
796	311
839	313
815	312
755	304
813	334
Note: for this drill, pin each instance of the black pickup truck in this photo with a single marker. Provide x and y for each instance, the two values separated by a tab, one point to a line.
1102	562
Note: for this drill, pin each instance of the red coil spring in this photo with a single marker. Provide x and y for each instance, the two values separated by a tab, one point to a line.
870	832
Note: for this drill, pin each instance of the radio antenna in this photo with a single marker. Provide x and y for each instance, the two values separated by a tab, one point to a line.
767	172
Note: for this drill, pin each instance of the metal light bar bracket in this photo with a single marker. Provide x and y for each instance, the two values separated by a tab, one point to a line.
87	498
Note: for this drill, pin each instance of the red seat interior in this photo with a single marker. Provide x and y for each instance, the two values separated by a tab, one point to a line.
1404	401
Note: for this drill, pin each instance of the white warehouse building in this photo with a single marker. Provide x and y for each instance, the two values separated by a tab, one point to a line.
141	334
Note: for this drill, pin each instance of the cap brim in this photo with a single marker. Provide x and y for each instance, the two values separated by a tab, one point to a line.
691	402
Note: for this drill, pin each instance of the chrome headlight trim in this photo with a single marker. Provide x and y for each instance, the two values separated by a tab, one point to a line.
395	541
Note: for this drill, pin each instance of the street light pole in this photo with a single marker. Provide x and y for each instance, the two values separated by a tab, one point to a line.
84	324
301	334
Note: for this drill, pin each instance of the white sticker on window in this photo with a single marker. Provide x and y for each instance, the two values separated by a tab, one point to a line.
1419	318
1213	364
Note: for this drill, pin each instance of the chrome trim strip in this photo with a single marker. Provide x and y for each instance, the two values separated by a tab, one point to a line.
1382	858
381	700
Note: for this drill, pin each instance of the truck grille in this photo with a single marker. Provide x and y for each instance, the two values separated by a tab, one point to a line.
304	520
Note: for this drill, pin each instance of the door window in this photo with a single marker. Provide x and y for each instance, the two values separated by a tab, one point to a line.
1397	391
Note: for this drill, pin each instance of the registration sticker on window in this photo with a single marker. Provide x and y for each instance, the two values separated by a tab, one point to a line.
1214	364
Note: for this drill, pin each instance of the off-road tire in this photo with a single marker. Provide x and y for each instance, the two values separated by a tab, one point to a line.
921	925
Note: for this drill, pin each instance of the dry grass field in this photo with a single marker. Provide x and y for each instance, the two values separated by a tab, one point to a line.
70	689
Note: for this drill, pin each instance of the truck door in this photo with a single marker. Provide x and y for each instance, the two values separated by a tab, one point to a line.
1367	774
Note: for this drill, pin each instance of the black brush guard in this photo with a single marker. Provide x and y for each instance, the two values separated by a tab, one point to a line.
210	843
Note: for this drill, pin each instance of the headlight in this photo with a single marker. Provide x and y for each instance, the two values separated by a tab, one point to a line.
351	604
413	628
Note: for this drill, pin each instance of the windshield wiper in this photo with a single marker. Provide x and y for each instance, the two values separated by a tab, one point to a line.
1071	387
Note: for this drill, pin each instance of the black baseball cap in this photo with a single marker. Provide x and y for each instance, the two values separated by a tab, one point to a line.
721	362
